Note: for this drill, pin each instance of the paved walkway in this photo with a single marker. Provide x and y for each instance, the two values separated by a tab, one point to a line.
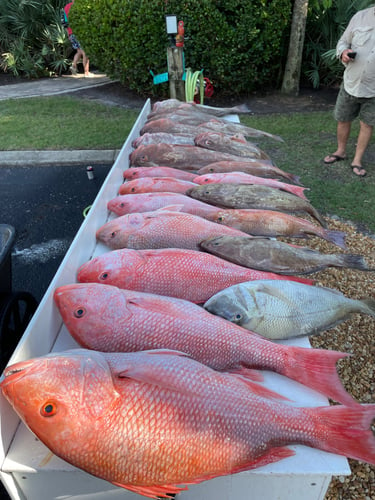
46	87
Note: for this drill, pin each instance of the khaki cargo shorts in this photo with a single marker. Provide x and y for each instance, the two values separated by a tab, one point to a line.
348	107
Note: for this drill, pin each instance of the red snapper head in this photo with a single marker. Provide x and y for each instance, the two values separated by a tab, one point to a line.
116	268
59	395
89	308
116	232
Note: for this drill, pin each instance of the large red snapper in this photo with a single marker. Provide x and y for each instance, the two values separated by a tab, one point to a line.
162	228
137	172
151	422
186	274
244	178
155	184
148	202
106	318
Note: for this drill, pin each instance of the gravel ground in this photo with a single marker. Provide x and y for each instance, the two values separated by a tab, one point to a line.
354	336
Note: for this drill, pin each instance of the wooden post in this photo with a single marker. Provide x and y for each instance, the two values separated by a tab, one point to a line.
175	73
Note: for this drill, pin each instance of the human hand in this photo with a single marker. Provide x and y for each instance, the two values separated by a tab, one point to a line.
345	58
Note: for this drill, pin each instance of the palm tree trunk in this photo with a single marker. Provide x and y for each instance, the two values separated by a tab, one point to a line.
292	70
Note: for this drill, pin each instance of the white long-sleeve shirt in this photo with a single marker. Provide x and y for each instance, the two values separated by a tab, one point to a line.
359	75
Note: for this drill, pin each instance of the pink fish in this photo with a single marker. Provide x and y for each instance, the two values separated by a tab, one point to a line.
244	178
154	421
181	273
105	318
272	223
162	228
138	172
155	184
148	202
261	168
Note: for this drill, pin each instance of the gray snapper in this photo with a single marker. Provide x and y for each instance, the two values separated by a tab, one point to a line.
267	254
285	309
235	144
177	155
251	196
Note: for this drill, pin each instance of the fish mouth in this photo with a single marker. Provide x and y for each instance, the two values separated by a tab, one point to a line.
15	372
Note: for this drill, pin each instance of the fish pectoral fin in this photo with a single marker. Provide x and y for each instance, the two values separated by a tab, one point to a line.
274	291
163	491
170	208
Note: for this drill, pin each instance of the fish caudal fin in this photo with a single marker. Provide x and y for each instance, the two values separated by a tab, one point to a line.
355	262
335	237
348	431
316	368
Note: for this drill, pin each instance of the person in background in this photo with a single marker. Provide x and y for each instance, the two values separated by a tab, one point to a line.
80	53
356	98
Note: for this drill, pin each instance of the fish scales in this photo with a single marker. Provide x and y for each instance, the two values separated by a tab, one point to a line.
276	256
157	435
186	274
178	156
105	318
250	196
286	309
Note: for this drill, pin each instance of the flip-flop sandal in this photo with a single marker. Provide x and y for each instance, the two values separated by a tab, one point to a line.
335	159
360	169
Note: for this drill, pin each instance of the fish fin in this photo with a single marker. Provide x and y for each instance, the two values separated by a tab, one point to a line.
316	368
260	390
348	431
370	303
254	375
269	457
156	491
356	262
169	208
336	237
170	307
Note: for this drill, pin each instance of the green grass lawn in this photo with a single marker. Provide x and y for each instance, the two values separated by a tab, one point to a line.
64	122
334	189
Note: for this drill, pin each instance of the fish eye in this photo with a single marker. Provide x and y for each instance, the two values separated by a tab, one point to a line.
122	205
220	218
237	318
113	234
80	312
49	409
132	190
212	170
104	276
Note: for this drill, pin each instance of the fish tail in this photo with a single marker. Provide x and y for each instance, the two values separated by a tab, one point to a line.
355	262
348	431
316	368
335	237
297	190
295	179
370	304
316	215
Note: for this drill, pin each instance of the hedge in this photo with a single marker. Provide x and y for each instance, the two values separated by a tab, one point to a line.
238	44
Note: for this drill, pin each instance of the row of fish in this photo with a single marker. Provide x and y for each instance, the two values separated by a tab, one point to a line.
164	392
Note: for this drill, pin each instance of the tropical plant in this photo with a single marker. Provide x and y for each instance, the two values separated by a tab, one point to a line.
32	40
326	22
236	43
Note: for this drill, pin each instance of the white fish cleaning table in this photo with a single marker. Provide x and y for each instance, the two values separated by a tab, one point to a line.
30	471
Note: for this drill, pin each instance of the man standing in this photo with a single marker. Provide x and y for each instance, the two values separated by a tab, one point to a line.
356	49
80	53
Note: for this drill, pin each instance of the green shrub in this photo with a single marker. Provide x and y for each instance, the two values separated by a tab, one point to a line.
236	43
